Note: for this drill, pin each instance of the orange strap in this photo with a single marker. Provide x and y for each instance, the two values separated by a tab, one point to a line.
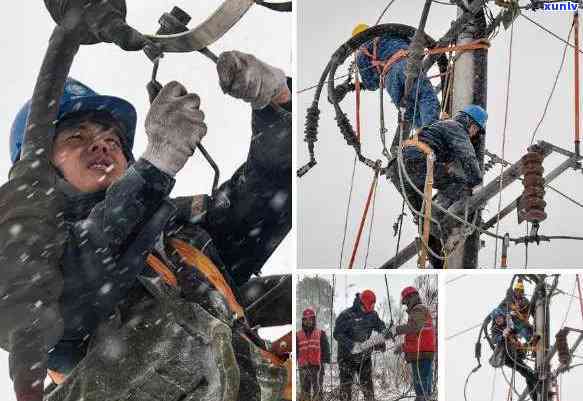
383	66
414	141
195	258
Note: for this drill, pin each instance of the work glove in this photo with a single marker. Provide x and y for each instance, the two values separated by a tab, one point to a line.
174	125
357	348
506	332
245	77
390	332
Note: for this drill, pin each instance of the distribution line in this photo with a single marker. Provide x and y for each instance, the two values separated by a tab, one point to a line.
553	88
551	33
508	76
462	332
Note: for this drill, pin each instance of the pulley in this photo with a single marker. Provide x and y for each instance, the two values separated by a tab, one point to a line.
532	203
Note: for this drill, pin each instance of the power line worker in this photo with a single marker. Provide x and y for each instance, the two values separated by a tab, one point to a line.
420	342
520	311
509	351
426	108
313	353
101	315
455	143
353	327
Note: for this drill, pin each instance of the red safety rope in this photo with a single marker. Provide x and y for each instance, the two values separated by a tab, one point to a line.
363	220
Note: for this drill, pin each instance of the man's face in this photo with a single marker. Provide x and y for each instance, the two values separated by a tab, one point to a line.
308	323
474	131
89	155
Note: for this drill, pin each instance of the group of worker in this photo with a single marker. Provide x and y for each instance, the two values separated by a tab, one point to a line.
455	142
359	331
514	336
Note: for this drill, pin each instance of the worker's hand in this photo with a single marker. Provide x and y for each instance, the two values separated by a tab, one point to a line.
506	332
357	348
245	77
390	332
174	125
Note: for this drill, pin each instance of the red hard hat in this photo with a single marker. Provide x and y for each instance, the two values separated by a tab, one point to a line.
368	299
408	291
308	313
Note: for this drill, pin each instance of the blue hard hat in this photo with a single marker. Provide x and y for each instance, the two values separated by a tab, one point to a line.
78	97
477	113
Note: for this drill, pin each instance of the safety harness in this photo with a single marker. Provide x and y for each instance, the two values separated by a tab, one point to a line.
195	259
175	327
414	141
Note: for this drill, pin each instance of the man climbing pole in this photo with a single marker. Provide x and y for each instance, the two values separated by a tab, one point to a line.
520	311
454	143
509	351
352	329
313	352
420	342
382	61
124	234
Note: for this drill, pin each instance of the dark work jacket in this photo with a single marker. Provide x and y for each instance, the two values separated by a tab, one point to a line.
110	238
450	141
354	325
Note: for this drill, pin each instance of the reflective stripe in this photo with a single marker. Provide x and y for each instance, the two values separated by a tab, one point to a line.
309	352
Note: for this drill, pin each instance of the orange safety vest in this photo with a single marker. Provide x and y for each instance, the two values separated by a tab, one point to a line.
309	352
424	341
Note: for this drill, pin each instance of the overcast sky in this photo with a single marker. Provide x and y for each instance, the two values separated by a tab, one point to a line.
467	302
107	69
348	285
323	193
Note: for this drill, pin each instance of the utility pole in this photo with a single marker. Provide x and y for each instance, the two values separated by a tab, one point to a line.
542	328
470	87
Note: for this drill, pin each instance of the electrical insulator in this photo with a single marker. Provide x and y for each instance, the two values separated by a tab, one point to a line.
532	203
563	347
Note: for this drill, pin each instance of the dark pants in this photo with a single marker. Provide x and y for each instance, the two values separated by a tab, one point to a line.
311	382
362	367
422	373
515	360
449	192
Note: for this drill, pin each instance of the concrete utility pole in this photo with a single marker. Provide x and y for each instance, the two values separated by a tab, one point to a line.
470	87
542	328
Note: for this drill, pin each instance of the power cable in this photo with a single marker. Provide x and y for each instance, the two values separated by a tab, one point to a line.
384	11
563	57
570	304
462	332
347	214
370	227
508	76
456	278
551	33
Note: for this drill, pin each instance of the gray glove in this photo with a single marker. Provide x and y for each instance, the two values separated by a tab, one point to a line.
357	348
174	126
245	77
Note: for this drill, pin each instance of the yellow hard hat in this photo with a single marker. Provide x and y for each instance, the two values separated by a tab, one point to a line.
519	285
359	28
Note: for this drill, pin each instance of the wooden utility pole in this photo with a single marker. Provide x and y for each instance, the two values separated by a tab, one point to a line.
470	86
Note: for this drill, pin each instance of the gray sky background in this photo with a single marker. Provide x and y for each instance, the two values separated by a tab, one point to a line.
348	285
323	193
107	69
467	302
